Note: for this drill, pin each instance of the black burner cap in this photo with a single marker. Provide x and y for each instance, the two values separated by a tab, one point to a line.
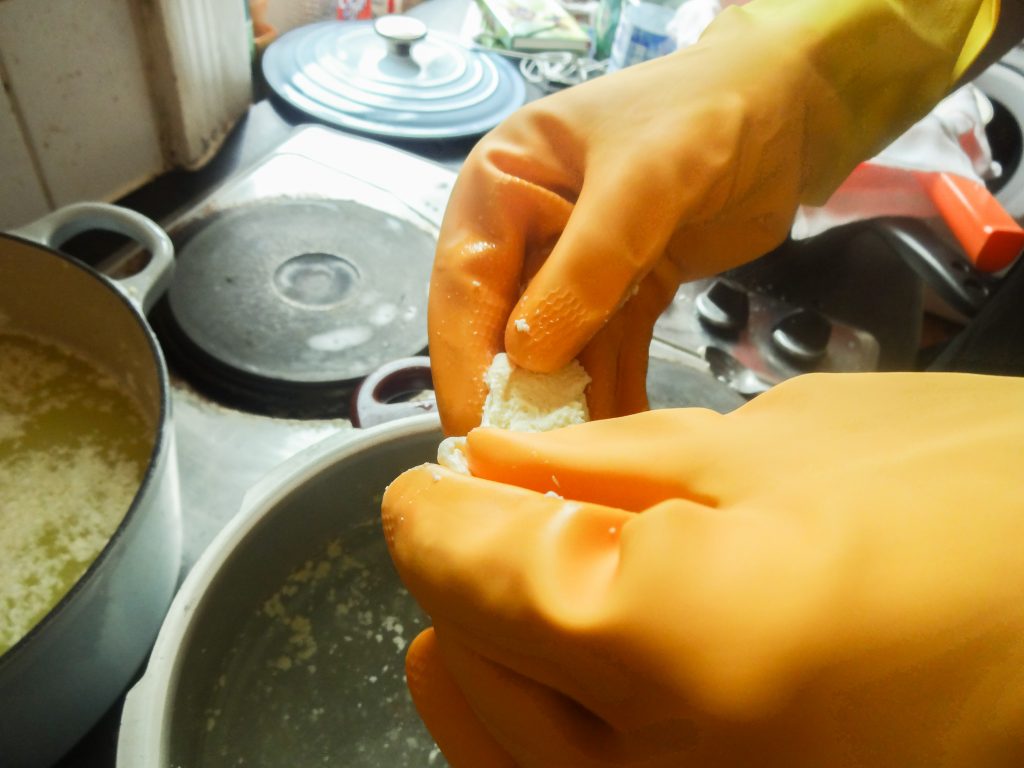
297	300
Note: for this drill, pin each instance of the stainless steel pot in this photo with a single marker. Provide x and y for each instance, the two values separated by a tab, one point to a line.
61	676
285	644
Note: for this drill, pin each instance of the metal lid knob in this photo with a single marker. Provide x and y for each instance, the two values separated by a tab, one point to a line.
400	32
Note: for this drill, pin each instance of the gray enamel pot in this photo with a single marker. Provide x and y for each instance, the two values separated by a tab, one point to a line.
60	677
285	644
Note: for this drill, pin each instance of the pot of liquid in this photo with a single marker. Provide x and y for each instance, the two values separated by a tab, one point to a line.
90	525
285	645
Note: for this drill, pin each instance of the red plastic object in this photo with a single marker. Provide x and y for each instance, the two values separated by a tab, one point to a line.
988	234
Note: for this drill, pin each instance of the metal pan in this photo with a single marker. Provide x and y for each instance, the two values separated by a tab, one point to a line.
285	645
73	664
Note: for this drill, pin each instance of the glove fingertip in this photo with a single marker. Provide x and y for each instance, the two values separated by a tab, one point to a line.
548	328
445	711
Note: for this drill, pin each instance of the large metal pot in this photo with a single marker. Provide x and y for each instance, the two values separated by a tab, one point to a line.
66	672
285	644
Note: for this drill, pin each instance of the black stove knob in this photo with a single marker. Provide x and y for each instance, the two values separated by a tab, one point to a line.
802	335
724	306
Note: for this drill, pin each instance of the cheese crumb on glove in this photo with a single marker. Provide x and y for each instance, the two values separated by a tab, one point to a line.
524	401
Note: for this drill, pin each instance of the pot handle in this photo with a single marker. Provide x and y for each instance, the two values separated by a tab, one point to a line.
376	399
142	289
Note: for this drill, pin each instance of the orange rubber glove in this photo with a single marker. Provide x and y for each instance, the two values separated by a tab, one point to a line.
573	223
831	575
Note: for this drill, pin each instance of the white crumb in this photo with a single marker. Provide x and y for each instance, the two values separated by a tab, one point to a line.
524	401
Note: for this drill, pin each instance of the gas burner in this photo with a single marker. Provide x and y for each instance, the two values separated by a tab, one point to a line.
284	305
752	340
303	274
1003	84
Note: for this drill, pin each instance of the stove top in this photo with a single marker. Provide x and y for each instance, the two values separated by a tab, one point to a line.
294	279
303	273
308	271
228	438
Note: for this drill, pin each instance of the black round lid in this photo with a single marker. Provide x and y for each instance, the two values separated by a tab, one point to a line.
302	293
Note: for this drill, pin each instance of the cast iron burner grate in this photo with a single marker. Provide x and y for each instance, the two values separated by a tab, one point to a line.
281	307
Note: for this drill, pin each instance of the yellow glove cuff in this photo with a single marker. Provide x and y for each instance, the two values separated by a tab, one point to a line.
881	65
978	37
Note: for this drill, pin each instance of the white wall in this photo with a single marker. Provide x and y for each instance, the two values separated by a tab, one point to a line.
91	111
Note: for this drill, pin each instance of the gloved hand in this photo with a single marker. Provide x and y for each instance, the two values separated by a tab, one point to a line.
572	224
831	575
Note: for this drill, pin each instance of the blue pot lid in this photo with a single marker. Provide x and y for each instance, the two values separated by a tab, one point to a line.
392	78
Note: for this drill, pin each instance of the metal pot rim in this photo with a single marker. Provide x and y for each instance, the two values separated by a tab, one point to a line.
147	713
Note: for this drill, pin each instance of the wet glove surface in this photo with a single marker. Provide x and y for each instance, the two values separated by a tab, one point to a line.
831	575
572	224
